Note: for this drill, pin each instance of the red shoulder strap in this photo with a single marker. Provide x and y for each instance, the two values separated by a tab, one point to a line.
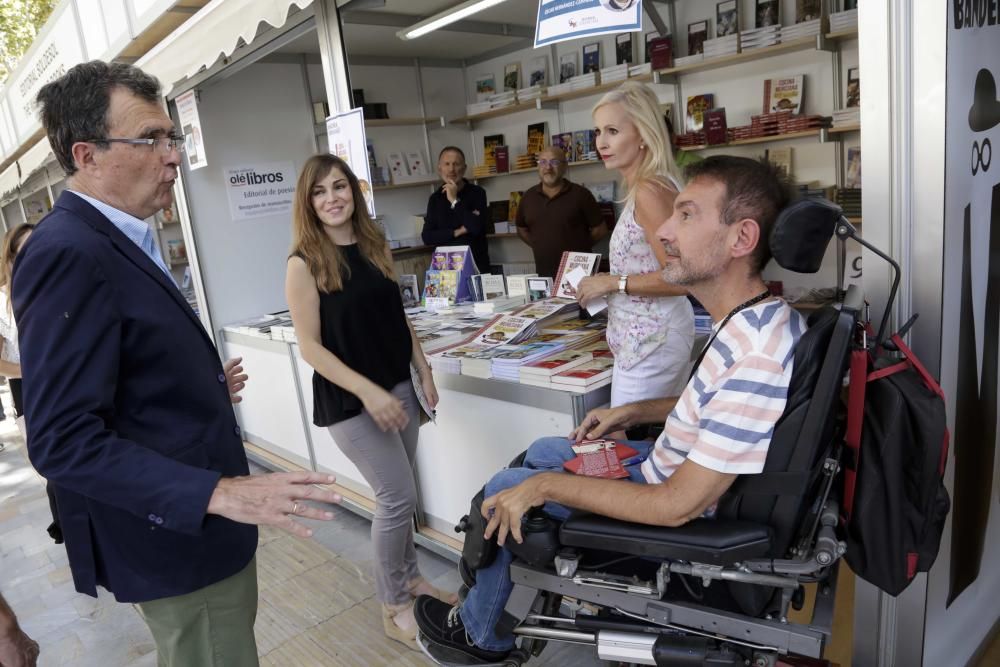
855	417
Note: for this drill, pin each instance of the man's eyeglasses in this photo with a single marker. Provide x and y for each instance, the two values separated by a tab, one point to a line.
161	144
549	163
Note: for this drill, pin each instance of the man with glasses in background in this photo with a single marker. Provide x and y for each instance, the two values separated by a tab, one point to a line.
128	405
557	215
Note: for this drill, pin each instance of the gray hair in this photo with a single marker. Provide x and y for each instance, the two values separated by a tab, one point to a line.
74	107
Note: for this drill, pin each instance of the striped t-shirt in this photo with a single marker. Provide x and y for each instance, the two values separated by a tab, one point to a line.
725	417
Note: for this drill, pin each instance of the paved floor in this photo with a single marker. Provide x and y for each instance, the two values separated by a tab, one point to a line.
317	604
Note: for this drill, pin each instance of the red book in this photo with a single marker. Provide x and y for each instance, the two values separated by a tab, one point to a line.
605	462
715	126
661	54
502	156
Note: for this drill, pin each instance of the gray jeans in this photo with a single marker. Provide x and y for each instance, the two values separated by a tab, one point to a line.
386	461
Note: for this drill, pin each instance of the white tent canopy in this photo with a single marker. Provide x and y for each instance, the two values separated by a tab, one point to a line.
215	30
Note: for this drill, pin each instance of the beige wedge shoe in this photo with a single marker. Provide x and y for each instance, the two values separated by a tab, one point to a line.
393	631
425	588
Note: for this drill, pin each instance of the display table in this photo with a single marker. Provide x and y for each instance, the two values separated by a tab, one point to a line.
481	425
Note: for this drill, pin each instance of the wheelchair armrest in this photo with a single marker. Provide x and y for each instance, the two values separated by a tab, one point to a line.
708	541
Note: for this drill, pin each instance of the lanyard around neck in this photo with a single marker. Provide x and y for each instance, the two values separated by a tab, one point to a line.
746	304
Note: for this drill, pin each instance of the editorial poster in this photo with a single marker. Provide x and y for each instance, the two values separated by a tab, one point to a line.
969	351
345	134
194	144
560	20
260	190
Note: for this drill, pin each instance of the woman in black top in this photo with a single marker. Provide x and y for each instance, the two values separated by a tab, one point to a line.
351	328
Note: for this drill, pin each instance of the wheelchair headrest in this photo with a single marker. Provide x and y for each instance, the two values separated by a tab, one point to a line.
802	233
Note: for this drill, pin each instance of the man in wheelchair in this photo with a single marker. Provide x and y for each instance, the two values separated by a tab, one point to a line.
719	428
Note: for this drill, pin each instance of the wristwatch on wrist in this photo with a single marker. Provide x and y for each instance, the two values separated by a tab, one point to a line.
622	284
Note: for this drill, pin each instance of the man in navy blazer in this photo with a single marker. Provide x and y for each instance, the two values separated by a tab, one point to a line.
127	404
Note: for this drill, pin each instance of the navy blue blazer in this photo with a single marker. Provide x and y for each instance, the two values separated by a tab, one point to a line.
127	411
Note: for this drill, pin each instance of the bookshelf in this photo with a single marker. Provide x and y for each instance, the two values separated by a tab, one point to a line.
759	140
843	34
530	105
843	129
802	44
532	170
399	122
407	184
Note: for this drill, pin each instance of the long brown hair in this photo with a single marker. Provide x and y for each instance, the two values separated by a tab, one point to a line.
12	243
310	241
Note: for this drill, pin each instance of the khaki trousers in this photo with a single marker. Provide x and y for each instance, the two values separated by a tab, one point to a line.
210	627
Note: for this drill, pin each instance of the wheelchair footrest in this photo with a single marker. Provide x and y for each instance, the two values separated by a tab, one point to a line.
450	658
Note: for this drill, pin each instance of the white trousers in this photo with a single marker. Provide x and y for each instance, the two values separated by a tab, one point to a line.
663	373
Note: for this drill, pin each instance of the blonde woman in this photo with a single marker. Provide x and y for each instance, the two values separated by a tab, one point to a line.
650	321
351	328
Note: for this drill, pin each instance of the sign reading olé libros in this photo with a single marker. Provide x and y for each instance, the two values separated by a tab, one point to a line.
260	190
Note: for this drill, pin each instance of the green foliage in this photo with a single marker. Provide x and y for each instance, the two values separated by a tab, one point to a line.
20	21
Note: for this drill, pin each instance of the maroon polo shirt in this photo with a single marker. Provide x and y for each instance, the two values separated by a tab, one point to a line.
558	224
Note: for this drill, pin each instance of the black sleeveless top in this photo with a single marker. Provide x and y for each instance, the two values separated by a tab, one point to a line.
364	325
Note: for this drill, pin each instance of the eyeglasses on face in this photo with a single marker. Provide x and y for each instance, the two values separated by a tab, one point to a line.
162	144
549	163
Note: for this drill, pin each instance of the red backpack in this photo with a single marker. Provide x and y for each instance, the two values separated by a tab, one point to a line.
895	502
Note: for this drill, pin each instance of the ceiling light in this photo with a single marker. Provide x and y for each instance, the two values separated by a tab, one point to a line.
442	19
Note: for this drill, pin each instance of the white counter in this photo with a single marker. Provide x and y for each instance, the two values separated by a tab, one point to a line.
481	426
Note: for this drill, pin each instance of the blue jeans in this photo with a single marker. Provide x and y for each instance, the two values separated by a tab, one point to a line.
486	600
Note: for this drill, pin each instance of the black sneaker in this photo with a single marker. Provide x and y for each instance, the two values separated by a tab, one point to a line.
441	625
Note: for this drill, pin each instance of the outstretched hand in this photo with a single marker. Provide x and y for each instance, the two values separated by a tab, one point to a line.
274	499
236	379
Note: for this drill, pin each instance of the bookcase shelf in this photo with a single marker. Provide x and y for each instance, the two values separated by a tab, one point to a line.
548	101
396	122
856	127
409	184
758	140
801	44
532	170
851	33
530	105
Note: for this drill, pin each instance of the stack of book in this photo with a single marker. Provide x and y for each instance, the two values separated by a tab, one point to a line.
780	122
507	363
260	325
539	373
614	73
848	116
799	30
680	61
504	99
530	93
477	108
691	139
502	330
560	88
587	376
813	190
760	37
580	81
722	46
844	21
641	69
849	199
481	170
526	161
498	304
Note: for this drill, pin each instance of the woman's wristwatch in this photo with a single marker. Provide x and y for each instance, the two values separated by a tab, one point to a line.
622	284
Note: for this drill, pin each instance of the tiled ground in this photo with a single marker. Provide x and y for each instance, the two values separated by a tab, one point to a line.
317	604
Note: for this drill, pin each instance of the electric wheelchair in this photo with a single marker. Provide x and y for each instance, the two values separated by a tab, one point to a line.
713	591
